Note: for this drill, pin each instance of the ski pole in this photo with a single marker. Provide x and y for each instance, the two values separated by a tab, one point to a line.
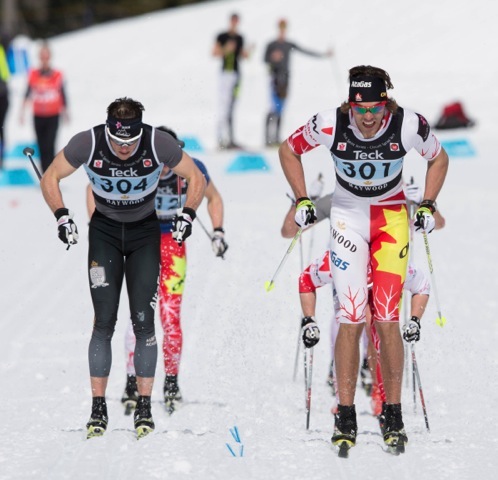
179	186
28	151
440	320
298	347
270	285
308	376
407	304
316	196
421	392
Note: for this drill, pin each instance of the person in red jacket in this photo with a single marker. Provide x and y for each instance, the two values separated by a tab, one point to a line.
46	94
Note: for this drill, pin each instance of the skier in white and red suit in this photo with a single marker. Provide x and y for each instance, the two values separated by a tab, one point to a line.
368	137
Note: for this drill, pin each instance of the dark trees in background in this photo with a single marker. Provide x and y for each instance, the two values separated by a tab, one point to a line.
46	18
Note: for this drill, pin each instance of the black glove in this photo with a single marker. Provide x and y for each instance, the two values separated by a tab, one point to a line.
411	332
218	242
311	332
182	228
424	219
305	212
68	232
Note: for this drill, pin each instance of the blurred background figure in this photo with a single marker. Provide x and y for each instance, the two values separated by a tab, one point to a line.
47	96
4	92
229	46
277	57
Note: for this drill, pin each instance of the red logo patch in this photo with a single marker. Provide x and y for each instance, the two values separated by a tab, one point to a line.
341	146
358	97
98	163
394	147
328	130
147	162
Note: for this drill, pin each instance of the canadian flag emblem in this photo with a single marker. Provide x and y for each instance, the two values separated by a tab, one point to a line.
98	163
147	162
341	146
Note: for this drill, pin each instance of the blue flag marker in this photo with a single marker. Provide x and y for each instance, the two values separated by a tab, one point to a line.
236	436
230	450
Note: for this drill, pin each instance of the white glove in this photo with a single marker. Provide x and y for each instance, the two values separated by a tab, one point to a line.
183	224
413	193
218	242
305	212
68	232
316	188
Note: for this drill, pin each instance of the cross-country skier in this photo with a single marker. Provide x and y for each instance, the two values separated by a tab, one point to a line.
172	281
123	159
368	137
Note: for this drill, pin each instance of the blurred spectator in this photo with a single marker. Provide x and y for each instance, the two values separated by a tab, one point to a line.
47	95
4	92
277	57
229	46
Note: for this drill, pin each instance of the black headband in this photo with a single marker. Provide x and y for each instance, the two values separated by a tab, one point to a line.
124	127
365	88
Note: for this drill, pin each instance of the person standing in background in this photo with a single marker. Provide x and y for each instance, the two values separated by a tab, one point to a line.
47	95
277	57
4	92
229	46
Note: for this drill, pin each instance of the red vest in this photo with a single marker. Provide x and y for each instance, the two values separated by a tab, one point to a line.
46	93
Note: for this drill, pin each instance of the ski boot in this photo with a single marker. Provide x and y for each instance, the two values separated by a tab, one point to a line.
382	419
345	429
144	424
97	424
366	377
171	392
130	395
394	432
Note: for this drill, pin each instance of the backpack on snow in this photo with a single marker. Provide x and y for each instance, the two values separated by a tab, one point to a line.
453	116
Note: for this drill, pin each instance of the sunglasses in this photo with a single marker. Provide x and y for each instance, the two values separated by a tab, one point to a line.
378	108
123	143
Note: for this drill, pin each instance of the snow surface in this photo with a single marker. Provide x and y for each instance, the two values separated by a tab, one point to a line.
239	341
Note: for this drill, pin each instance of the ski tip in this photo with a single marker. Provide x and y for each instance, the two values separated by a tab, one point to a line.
441	321
269	286
344	448
94	432
143	431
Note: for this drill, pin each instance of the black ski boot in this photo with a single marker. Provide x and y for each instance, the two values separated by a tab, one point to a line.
97	424
394	432
171	392
144	424
130	395
345	429
382	419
